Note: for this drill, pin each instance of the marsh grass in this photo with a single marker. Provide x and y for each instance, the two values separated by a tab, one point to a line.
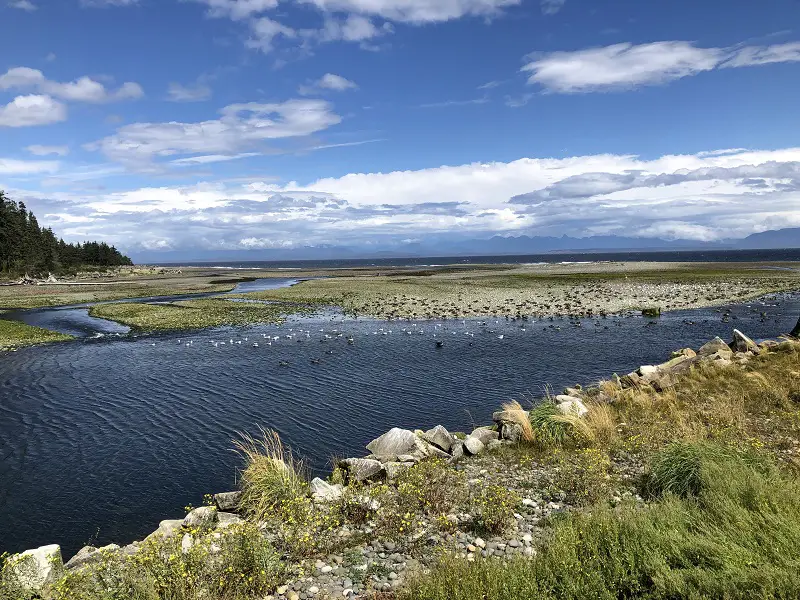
271	477
553	429
737	538
14	334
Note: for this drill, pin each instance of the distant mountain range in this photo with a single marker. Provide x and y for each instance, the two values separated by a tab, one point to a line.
493	246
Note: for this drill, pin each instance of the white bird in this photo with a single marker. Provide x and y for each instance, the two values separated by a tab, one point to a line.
500	337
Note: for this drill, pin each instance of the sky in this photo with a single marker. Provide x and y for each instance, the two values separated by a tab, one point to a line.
189	125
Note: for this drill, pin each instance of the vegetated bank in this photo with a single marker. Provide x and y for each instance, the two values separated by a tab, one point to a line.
677	480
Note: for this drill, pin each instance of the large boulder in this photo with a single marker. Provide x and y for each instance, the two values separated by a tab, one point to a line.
742	343
473	445
394	469
36	571
485	434
205	517
393	443
226	519
166	529
362	469
89	555
228	501
322	491
439	437
713	347
510	431
567	405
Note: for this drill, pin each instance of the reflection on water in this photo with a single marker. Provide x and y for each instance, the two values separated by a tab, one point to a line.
109	436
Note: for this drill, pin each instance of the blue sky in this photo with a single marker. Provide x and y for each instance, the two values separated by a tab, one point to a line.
247	124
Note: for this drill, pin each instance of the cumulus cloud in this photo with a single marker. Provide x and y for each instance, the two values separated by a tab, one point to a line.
107	3
626	65
415	11
83	89
237	9
27	111
264	31
551	7
705	196
38	150
240	127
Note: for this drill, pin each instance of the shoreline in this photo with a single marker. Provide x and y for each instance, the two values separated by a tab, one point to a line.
481	456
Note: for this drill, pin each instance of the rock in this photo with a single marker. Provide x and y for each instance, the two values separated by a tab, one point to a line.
687	352
473	445
485	434
574	392
393	443
408	458
511	432
572	406
393	469
187	542
439	437
362	469
457	450
712	347
631	380
225	519
204	517
35	571
425	449
322	491
89	555
166	528
742	343
721	355
493	445
228	501
505	416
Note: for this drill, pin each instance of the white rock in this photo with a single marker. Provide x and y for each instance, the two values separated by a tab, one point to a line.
187	542
480	543
473	445
204	517
322	491
394	442
36	570
573	406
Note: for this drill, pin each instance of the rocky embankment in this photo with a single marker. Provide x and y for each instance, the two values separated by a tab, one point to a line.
492	502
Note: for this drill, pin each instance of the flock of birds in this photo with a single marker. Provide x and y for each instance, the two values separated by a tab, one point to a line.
439	333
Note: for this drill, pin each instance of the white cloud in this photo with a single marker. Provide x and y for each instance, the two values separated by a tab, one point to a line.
264	31
38	150
10	166
210	158
237	9
551	7
415	11
354	28
26	5
83	89
27	111
188	93
625	66
241	127
329	81
107	3
705	196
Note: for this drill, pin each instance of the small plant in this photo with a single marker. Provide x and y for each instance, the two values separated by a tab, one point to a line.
430	486
581	475
271	477
494	508
554	429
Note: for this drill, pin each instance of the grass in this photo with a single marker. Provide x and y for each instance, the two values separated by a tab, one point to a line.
14	334
194	314
738	536
271	477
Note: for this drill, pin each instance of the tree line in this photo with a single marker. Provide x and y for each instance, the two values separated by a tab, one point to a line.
25	247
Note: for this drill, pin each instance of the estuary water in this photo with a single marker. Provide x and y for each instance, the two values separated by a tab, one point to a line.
103	437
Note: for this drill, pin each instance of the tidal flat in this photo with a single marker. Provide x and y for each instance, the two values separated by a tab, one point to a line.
578	289
16	335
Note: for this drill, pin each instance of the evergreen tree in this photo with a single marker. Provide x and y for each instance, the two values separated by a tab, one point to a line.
25	247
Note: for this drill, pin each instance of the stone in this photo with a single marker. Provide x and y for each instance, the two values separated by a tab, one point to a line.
480	543
322	491
439	437
573	406
89	555
510	431
572	391
473	445
187	542
408	458
226	519
393	469
712	347
393	443
687	352
228	501
742	343
721	356
485	434
426	449
505	416
457	449
36	571
362	469
631	380
493	445
205	517
166	528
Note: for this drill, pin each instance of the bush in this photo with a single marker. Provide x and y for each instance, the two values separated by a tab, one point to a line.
493	509
738	538
553	429
235	563
431	487
581	475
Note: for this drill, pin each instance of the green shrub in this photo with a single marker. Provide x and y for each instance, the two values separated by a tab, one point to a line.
431	486
235	563
553	429
581	475
493	509
738	538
